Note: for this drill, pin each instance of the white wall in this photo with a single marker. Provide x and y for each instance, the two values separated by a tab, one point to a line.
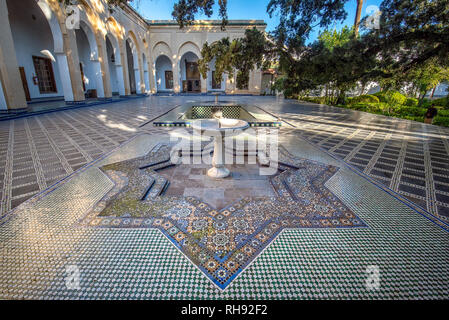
31	36
163	64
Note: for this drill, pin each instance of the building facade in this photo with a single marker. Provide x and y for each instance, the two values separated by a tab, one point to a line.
46	53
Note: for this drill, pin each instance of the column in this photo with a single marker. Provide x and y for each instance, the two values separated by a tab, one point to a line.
124	58
98	78
120	80
138	80
176	77
64	74
104	67
12	88
69	64
203	85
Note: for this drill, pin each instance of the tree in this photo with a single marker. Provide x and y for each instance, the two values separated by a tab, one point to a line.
185	10
357	17
239	55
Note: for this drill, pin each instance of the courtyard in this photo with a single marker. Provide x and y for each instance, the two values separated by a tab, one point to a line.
357	195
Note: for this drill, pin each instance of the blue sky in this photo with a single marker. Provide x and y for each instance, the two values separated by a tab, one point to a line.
240	9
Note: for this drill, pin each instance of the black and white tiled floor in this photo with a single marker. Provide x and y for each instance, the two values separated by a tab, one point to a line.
408	157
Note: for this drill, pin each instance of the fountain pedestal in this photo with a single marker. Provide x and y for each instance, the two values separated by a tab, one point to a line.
219	128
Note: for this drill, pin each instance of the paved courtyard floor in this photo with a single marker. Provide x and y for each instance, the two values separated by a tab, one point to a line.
366	193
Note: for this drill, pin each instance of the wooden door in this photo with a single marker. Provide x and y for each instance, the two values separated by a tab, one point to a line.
25	83
82	77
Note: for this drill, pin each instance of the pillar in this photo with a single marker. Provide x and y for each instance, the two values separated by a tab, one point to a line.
104	67
70	57
11	83
176	77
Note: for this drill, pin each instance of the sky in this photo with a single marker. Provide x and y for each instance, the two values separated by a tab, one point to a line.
242	9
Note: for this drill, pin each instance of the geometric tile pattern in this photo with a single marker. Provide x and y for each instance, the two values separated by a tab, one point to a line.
410	158
41	239
222	243
38	151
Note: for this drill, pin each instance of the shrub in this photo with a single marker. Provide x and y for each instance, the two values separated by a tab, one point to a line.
381	95
426	103
359	106
411	102
395	97
444	102
412	111
320	100
367	98
443	113
441	121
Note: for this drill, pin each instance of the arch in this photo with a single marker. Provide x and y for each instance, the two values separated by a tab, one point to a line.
134	70
189	46
115	28
36	46
116	47
162	65
162	48
189	75
90	64
54	26
114	57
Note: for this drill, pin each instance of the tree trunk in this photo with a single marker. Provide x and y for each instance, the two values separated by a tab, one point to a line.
433	91
357	17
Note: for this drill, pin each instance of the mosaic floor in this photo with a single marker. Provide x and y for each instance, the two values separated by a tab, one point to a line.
222	243
324	248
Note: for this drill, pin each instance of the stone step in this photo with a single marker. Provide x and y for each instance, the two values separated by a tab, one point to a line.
158	188
153	164
281	188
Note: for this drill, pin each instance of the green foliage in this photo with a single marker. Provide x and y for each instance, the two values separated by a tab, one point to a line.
333	39
441	121
381	95
240	55
411	102
396	98
444	102
391	97
367	98
184	11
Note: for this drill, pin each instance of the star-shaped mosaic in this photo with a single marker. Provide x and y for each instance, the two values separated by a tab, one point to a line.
222	243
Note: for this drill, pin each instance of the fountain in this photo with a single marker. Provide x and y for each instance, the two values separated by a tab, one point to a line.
218	128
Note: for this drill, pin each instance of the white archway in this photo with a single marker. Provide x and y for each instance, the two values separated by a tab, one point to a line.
90	65
188	55
190	78
132	53
38	42
115	65
164	74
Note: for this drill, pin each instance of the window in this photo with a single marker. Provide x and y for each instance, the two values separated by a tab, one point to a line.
168	79
45	75
215	84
